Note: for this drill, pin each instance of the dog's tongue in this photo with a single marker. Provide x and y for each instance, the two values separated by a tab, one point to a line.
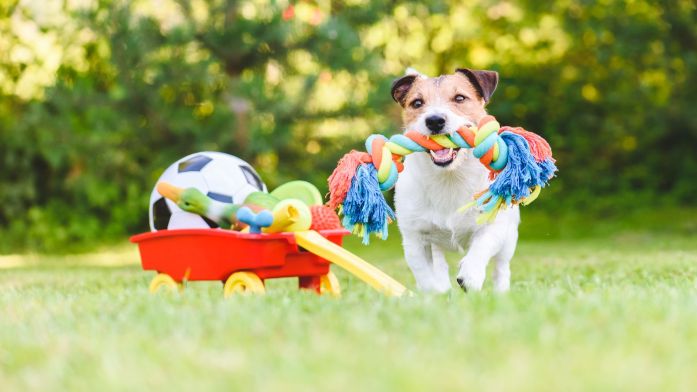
442	156
444	153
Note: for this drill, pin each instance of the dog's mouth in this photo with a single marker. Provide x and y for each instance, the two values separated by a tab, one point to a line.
444	157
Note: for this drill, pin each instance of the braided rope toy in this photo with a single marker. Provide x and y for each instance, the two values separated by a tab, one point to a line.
520	164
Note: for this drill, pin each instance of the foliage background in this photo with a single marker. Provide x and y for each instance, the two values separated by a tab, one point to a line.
98	97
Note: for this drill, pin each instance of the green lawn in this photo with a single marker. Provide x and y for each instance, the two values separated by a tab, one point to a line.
611	313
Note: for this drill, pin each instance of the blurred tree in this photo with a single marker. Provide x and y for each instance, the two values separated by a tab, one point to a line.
97	99
249	78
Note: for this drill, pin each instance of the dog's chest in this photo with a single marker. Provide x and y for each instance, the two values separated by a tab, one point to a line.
427	202
444	224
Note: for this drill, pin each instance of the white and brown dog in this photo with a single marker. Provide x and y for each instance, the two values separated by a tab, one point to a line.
433	186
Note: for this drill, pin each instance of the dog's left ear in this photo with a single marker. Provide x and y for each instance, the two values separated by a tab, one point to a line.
401	86
484	81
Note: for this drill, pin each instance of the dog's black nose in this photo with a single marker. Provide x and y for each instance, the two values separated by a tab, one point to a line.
435	123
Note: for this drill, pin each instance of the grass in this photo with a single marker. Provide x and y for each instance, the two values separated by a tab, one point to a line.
611	312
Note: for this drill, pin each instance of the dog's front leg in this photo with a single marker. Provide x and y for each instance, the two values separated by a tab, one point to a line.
473	266
440	269
418	253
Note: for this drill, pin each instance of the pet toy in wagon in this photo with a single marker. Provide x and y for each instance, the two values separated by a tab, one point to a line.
212	219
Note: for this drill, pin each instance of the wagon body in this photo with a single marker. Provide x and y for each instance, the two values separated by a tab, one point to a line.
214	254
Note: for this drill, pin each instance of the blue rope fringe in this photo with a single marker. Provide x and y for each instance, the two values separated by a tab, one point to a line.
365	204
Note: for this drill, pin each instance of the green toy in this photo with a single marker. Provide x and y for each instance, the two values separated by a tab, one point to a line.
262	199
301	190
194	201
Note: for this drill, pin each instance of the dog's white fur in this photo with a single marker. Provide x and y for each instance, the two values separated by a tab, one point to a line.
426	199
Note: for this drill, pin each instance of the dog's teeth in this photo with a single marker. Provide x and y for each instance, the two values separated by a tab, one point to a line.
442	155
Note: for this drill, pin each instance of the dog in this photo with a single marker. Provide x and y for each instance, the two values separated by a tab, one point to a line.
434	185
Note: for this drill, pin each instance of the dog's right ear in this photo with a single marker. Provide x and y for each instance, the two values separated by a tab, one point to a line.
484	82
401	86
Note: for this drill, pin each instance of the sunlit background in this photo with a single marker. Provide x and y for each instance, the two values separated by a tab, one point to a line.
98	97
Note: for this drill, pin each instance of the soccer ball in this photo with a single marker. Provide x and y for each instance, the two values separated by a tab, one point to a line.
222	177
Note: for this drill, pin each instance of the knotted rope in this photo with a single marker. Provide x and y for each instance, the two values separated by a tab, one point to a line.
520	164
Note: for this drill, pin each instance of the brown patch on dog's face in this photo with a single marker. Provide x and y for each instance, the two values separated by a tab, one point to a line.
443	104
454	92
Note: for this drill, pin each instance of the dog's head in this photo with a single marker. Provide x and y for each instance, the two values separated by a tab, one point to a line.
443	104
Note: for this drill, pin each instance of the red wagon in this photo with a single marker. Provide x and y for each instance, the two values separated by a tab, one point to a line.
241	260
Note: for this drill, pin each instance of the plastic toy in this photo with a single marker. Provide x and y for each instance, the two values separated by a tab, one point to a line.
193	201
290	215
243	260
255	221
222	177
261	200
301	190
520	164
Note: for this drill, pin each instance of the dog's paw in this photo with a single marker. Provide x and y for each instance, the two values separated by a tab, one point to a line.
471	281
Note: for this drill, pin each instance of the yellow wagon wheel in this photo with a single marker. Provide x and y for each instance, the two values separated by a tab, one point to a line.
164	281
243	283
329	284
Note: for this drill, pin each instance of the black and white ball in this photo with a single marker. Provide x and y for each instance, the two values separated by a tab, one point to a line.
222	177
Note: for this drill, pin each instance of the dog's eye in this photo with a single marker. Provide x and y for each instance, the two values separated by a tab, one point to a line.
459	98
417	103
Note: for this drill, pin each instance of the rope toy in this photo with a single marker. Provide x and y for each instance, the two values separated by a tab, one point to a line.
520	164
